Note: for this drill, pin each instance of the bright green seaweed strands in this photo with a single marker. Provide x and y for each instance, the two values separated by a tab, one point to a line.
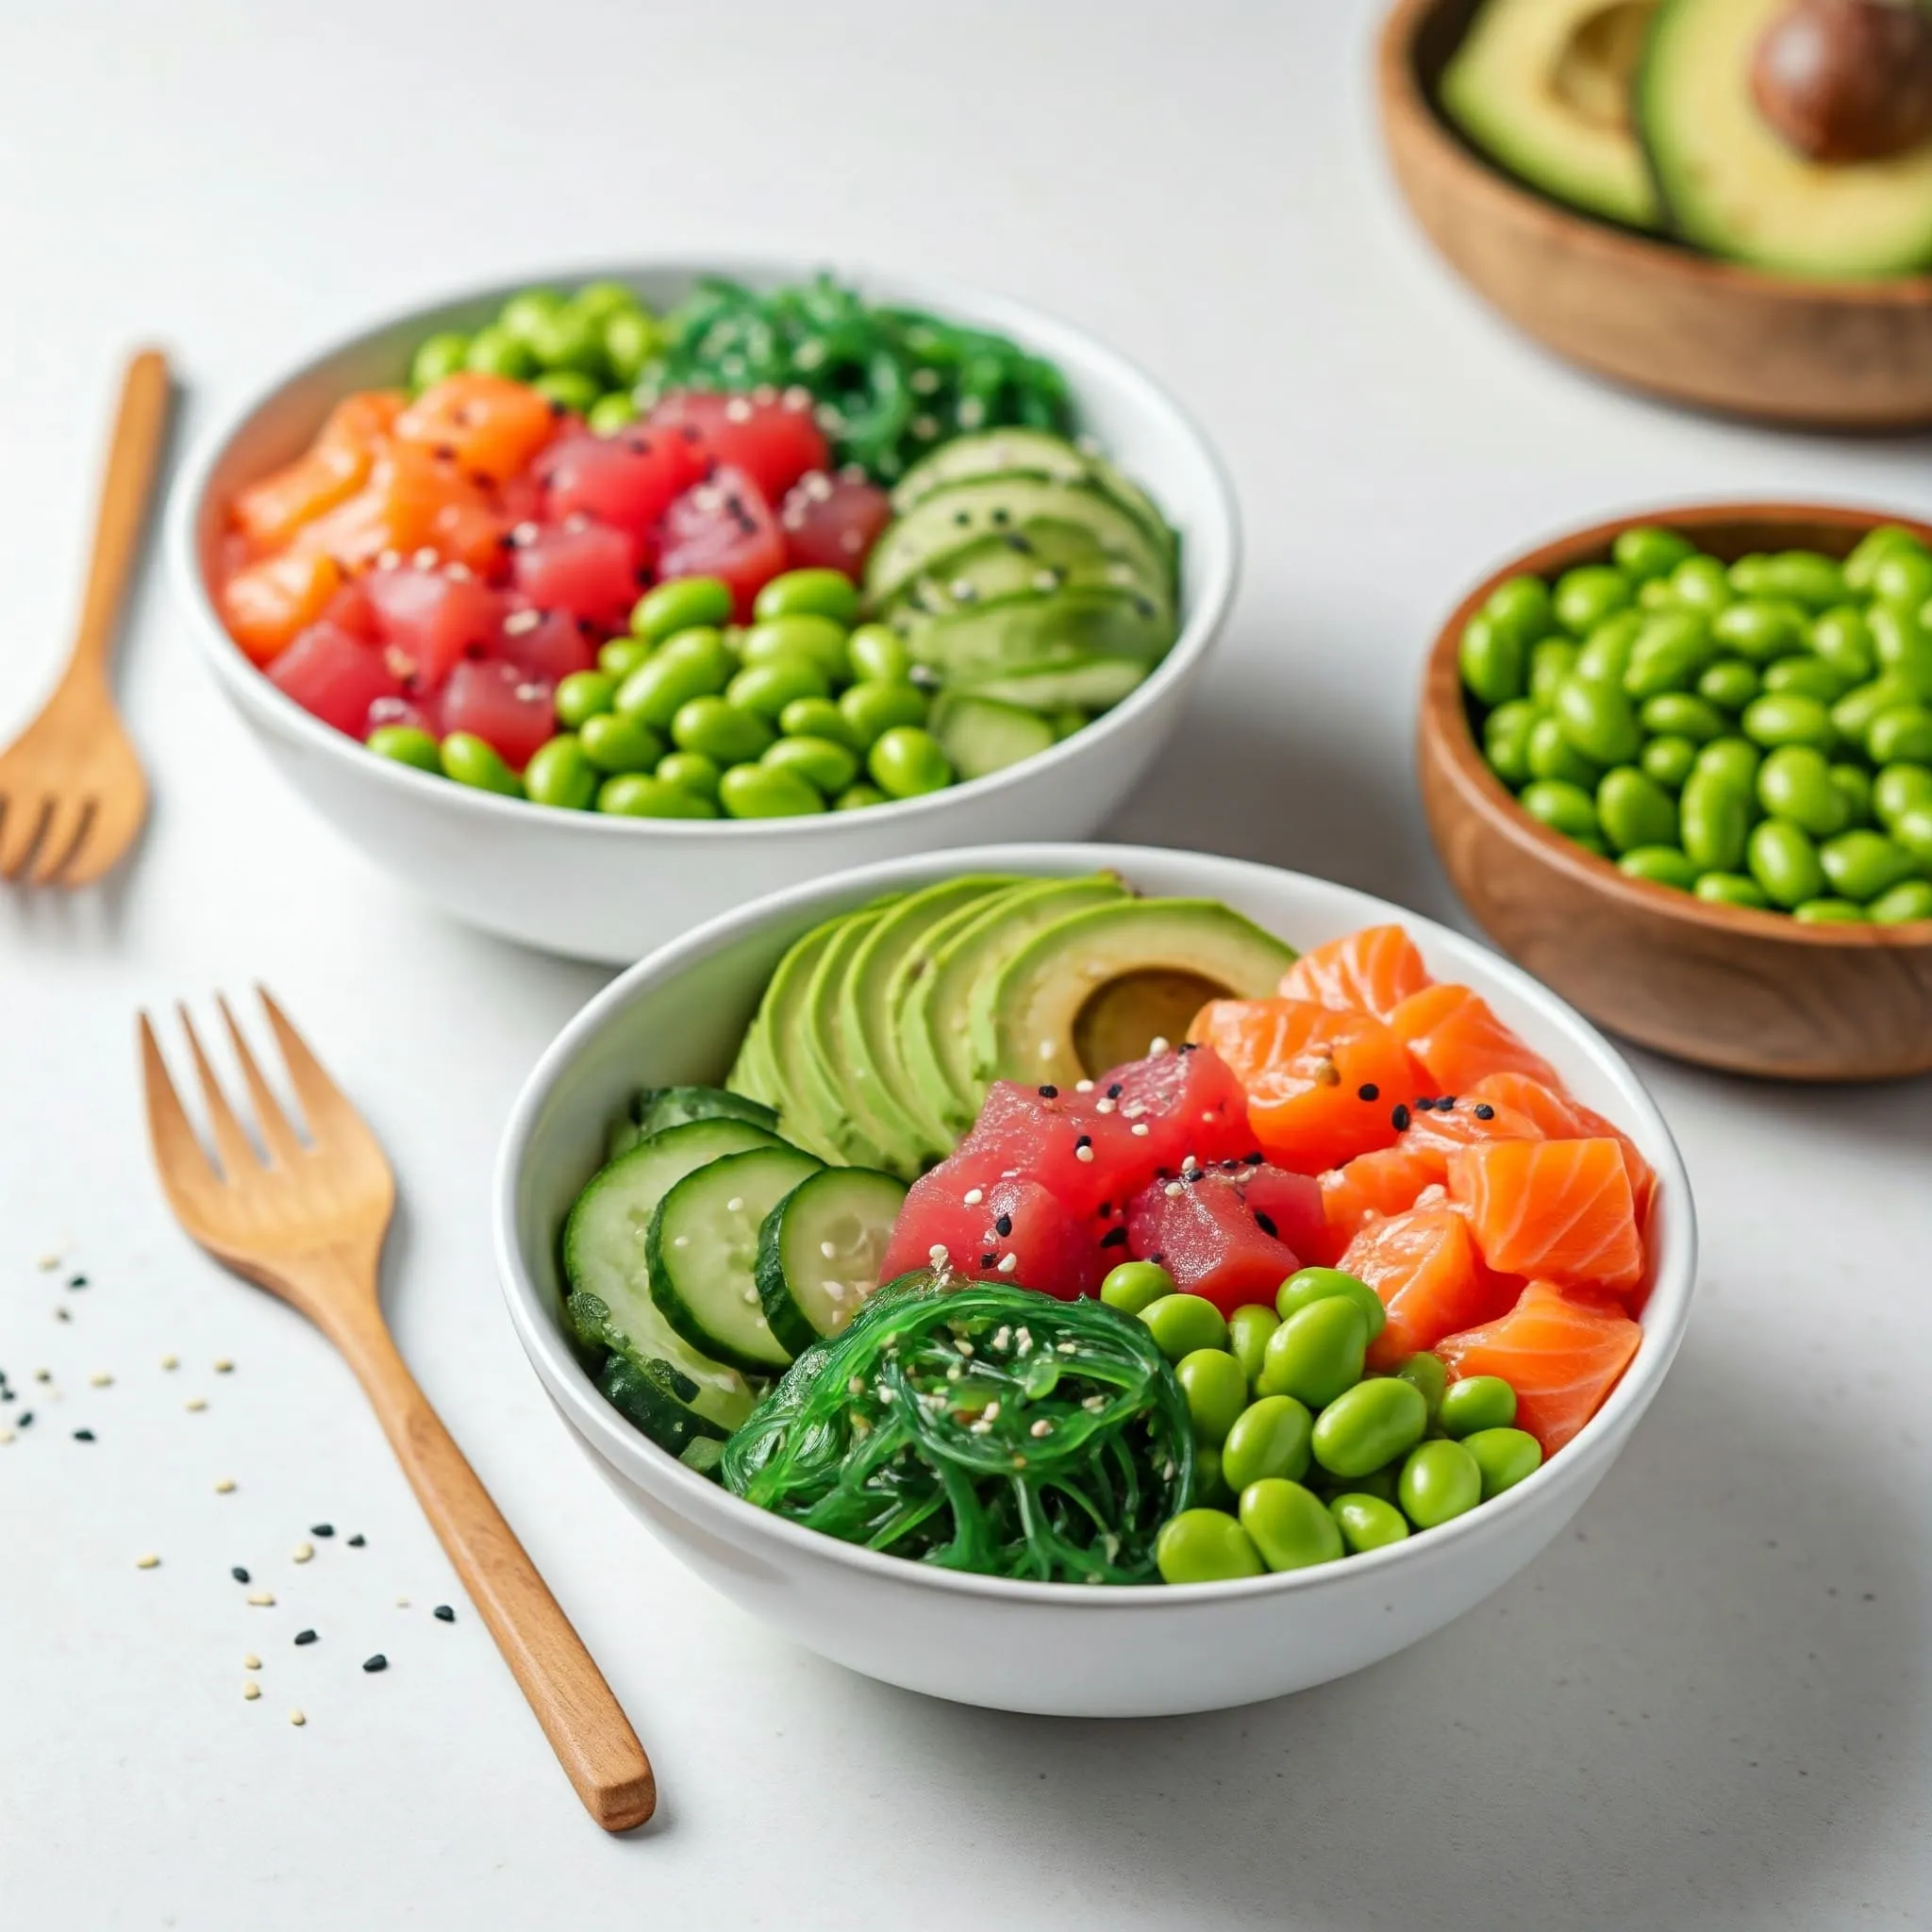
889	384
978	1427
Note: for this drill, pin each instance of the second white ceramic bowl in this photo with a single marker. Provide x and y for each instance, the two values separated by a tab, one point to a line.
610	889
1139	1652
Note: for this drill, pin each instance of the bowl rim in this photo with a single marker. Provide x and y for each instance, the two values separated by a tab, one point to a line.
1403	94
1443	726
1665	1315
249	687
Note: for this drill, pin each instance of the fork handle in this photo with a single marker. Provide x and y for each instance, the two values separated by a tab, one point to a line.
140	425
580	1715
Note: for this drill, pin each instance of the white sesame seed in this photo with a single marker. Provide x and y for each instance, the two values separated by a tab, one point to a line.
936	1251
171	1361
518	622
1007	1263
195	1403
425	558
1042	1427
46	1263
296	1719
402	1602
1173	1190
990	1411
963	590
1083	1085
523	533
250	1690
1140	1128
459	572
1158	1044
973	1196
225	1487
1189	1163
981	1428
1069	1348
1167	1472
1094	1403
261	1599
103	1380
148	1562
750	1297
817	485
737	411
1103	1105
224	1366
1047	1049
250	1662
857	1386
680	1241
389	560
964	1347
304	1552
1083	1153
1026	1339
5	1435
827	1250
736	1205
953	1373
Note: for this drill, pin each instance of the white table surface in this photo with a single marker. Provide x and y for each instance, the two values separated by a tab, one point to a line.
1707	1707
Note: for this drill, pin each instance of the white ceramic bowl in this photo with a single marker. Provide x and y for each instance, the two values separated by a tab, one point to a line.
610	889
1053	1648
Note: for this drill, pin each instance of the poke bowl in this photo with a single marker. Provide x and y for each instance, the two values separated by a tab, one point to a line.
1132	937
1044	559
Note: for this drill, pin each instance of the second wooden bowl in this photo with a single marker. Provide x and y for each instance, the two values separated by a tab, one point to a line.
1752	992
1826	355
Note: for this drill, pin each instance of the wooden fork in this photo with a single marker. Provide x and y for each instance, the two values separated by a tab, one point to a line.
72	793
305	1220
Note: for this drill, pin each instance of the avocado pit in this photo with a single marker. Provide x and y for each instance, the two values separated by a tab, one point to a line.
1120	1018
1843	81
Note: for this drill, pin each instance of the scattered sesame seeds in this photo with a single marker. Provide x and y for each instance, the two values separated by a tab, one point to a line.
148	1562
1398	1116
296	1719
355	1543
322	1529
827	1250
1084	1150
76	1281
171	1361
1042	1427
195	1404
250	1690
304	1553
1140	1128
224	1486
1083	1085
83	1435
378	1662
1484	1111
305	1637
973	1196
240	1575
5	1435
402	1602
1104	1106
443	1614
1189	1163
1173	1190
1007	1263
1368	1091
262	1599
100	1380
1159	1043
250	1662
47	1263
44	1374
936	1251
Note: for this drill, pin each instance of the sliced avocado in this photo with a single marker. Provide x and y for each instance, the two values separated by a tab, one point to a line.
933	1022
985	506
777	1076
1044	554
1731	183
866	1011
845	1105
1036	629
1097	986
1543	88
981	735
1091	683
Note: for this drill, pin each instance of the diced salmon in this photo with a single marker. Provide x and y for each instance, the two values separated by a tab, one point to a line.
1371	1188
396	509
487	425
1458	1039
264	605
330	471
1431	1280
1371	971
1322	1082
1558	1116
1561	1354
1556	1210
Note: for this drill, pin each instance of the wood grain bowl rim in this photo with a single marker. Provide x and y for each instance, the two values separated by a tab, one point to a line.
1445	728
1404	98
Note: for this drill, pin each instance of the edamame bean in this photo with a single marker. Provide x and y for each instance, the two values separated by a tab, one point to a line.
1522	605
876	706
1588	594
767	687
614	742
1795	783
1861	864
1505	740
1873	544
560	775
1502	1457
809	592
1551	663
1903	577
802	635
693	770
1853	714
635	795
1805	577
1291	1525
620	657
1788	719
858	797
569	388
1495	661
602	300
1843	639
827	766
1700	583
1370	1424
1853	784
1784	861
1180	1324
1662	865
568	343
1733	760
1317	1352
719	730
407	744
631	340
1635	810
1656	595
1270	1438
1809	676
1204	1546
1564	808
1667	654
1367	1522
1678	714
1730	684
609	413
525	312
1904	647
695	663
493	351
1597	720
906	761
1216	1390
765	791
1440	1481
1912	828
1248	1329
877	651
1550	755
441	356
1828	912
1730	889
1644	551
1898	788
1901	735
1606	652
1904	903
1136	1285
1427	1372
817	718
1714	817
474	762
1747	572
1308	1285
584	695
1477	1402
1668	761
684	604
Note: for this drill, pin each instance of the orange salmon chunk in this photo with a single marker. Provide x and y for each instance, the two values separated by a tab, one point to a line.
1559	1210
1558	1116
265	604
331	469
1371	971
488	425
1425	1269
1457	1040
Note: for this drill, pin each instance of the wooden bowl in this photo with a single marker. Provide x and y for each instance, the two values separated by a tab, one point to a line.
1752	992
1827	355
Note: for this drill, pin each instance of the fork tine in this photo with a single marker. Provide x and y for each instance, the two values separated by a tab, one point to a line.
282	1142
21	822
60	843
329	1114
178	1152
231	1141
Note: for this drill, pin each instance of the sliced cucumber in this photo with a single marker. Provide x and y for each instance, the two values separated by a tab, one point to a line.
675	1395
654	1108
703	1250
1094	683
981	735
820	1250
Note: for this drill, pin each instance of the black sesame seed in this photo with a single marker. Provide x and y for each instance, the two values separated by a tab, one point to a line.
444	1614
1114	1238
240	1575
1484	1111
83	1435
1188	1046
988	1260
1257	1159
1049	1092
1369	1091
27	1419
1083	1140
1004	1226
1398	1114
76	1281
322	1529
1106	1210
1266	1224
7	1395
1423	1101
1115	1091
378	1662
355	1543
305	1637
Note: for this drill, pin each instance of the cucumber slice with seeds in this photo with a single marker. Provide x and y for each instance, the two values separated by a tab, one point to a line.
703	1250
980	735
654	1108
820	1250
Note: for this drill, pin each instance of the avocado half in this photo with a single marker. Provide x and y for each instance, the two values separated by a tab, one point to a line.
1543	88
1733	185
